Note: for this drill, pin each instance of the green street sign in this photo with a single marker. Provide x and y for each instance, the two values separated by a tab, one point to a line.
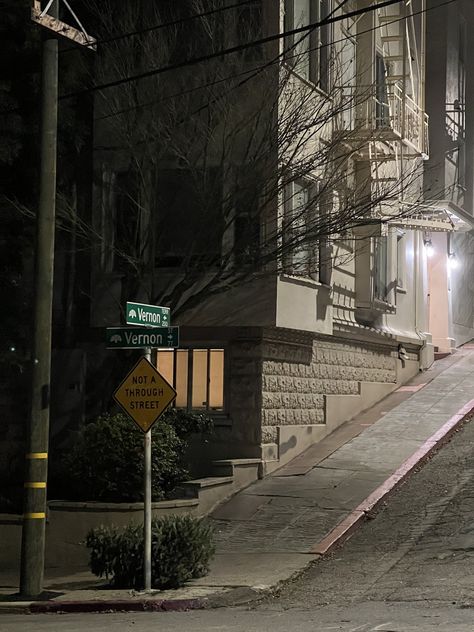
147	315
139	338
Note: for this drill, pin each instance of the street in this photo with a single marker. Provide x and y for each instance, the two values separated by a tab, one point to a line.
410	568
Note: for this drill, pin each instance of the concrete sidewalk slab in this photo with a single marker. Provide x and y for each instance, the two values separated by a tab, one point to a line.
274	528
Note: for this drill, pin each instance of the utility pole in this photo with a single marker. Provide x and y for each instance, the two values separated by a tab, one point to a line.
36	471
34	515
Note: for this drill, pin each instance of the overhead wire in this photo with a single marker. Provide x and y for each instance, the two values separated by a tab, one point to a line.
155	27
229	51
253	72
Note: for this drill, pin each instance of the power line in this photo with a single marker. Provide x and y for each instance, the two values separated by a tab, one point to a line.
254	72
156	27
231	50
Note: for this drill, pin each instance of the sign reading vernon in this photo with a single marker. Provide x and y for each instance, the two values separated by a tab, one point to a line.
140	338
147	315
144	394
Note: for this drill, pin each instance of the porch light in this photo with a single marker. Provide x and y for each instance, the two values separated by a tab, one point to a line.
452	260
428	248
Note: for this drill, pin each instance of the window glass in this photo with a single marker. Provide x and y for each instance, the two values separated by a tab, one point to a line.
382	110
324	49
302	18
181	378
380	268
302	249
348	75
199	379
197	376
189	219
401	260
165	365
216	378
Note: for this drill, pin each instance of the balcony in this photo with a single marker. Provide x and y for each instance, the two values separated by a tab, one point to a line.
383	113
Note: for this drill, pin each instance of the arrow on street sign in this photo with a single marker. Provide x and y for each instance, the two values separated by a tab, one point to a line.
147	315
140	338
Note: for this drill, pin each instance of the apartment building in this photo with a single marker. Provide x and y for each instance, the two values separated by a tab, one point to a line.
279	201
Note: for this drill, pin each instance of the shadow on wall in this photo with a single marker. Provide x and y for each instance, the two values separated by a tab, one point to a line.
291	443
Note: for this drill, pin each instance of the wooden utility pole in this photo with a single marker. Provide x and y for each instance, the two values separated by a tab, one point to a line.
34	516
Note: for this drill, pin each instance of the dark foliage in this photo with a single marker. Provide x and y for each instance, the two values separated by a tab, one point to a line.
182	548
105	462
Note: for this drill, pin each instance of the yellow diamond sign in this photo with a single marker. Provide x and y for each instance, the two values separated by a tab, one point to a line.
144	394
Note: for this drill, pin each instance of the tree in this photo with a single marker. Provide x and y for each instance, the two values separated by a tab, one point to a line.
217	174
200	171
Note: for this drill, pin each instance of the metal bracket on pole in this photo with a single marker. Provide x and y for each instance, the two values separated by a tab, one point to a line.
41	17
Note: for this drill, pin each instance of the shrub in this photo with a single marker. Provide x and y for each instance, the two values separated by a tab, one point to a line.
182	548
105	463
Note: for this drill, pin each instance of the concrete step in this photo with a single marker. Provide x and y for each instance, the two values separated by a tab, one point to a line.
209	491
439	355
243	471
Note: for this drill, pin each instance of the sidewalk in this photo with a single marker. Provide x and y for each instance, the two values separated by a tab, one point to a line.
275	527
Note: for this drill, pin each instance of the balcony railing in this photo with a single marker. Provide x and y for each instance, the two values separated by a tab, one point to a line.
385	113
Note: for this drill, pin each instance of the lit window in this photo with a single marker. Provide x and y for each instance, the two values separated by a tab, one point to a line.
197	376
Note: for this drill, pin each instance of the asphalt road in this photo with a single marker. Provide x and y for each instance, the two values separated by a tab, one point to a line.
410	568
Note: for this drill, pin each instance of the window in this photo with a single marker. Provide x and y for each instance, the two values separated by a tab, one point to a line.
197	376
306	252
190	35
297	47
324	46
249	28
348	74
189	219
296	247
380	268
309	53
120	219
127	218
401	260
382	109
247	204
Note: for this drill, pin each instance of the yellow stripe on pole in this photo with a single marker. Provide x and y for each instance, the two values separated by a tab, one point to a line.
37	455
36	485
34	516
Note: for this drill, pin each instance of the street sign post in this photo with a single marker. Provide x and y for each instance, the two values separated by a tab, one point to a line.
147	315
141	338
144	395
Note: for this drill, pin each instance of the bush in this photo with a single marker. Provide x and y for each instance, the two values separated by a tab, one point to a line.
105	463
182	548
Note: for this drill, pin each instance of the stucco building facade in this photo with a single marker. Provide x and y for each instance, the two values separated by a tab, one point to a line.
340	314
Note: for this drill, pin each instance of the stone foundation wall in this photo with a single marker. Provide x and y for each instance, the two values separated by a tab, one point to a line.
295	378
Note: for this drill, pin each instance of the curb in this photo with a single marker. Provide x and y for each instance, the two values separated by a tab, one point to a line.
344	529
102	606
243	595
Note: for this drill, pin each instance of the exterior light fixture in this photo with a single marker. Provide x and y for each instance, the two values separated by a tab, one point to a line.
453	262
428	247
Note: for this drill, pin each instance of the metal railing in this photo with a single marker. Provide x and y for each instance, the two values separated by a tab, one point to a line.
385	114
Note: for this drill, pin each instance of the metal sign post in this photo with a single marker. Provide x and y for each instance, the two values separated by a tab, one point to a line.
147	501
144	395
